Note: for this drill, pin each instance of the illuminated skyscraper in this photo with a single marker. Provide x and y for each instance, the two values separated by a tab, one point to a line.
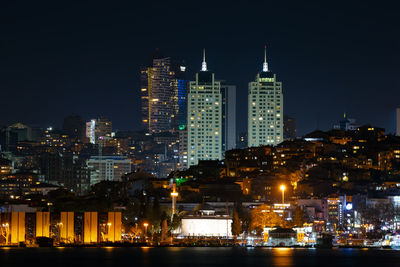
265	109
163	95
204	117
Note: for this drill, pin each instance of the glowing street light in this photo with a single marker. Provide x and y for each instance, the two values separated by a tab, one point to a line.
7	231
145	227
60	225
283	187
108	232
174	195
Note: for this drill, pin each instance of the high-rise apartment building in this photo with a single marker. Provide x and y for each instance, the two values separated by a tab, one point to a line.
398	121
96	128
108	168
204	117
163	95
74	126
289	128
265	109
228	116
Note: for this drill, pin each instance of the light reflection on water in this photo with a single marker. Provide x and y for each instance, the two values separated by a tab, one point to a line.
197	256
282	256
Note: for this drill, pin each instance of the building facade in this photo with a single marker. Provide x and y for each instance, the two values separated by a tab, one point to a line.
347	124
228	116
289	128
265	109
96	128
74	126
163	95
398	121
204	117
108	168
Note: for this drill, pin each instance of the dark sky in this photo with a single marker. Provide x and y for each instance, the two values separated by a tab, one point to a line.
64	57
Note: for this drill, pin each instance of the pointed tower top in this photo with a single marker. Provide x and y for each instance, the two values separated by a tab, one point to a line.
265	65
204	64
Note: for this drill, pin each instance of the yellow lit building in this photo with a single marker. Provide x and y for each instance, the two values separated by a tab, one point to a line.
90	227
66	226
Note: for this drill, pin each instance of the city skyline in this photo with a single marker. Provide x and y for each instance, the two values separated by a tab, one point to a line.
83	67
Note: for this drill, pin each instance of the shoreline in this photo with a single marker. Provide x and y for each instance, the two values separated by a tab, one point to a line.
140	245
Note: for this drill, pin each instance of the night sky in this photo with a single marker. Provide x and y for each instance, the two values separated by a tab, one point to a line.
83	57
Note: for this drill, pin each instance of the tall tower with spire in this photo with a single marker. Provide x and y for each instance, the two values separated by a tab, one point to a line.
265	108
204	117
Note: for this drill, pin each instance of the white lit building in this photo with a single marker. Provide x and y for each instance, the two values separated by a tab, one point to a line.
204	118
206	223
265	109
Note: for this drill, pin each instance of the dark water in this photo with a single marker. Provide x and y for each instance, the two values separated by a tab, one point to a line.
202	256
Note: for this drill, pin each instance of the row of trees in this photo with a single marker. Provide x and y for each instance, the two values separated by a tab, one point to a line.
261	217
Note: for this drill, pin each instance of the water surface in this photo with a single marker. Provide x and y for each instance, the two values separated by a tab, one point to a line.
201	256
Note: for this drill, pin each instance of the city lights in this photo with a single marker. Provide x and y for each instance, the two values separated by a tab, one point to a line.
282	188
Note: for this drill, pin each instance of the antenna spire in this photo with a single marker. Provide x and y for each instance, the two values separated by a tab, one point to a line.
265	65
204	64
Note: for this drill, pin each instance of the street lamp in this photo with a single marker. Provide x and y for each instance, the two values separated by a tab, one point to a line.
145	226
7	230
174	195
283	187
60	225
108	232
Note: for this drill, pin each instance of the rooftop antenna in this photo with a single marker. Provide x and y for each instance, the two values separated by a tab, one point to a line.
265	65
204	64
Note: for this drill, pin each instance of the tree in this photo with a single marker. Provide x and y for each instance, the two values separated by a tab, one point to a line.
263	216
164	230
236	225
176	221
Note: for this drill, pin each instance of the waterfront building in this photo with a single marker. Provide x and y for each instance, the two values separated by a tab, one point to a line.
206	222
204	116
265	109
23	224
98	128
163	95
282	237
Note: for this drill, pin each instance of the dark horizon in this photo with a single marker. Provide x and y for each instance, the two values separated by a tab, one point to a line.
84	58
